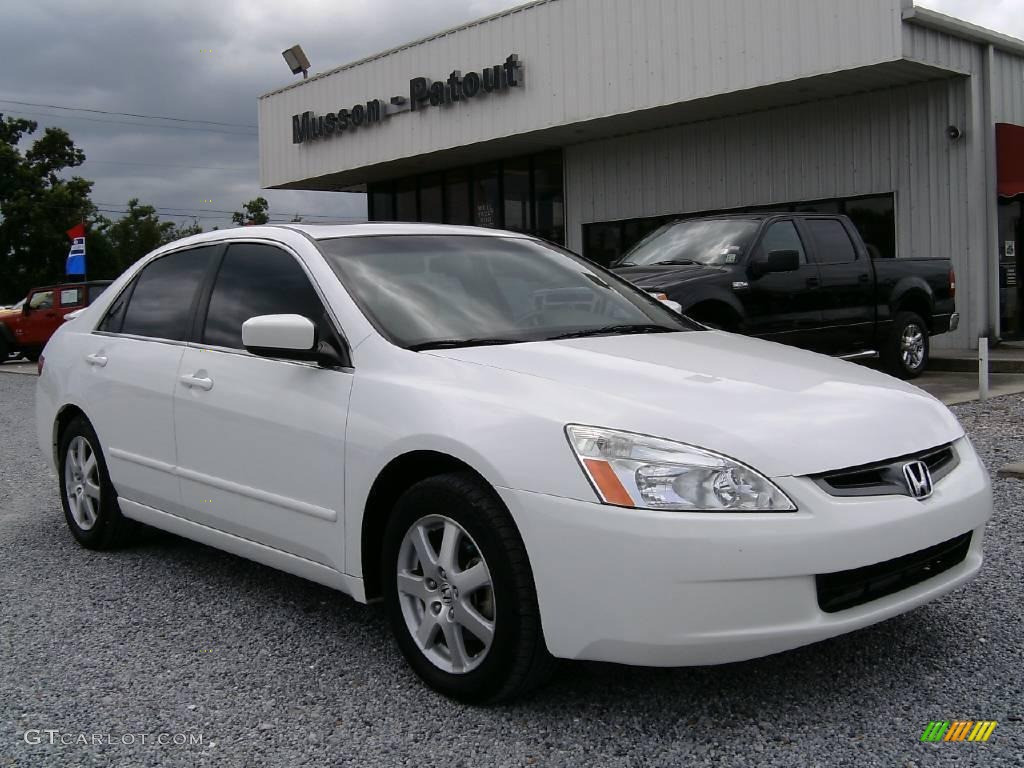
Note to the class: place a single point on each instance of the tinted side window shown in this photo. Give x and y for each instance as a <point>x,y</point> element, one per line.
<point>94,292</point>
<point>160,305</point>
<point>256,279</point>
<point>782,236</point>
<point>831,241</point>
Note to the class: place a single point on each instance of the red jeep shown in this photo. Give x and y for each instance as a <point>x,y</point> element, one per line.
<point>26,332</point>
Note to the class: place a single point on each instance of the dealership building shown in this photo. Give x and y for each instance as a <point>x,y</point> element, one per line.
<point>591,122</point>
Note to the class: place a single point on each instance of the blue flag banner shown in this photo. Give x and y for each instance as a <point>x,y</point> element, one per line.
<point>76,257</point>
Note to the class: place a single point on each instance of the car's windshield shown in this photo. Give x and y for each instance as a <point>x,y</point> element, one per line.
<point>425,291</point>
<point>713,242</point>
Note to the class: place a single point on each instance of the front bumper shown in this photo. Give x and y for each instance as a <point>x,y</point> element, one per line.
<point>945,323</point>
<point>677,589</point>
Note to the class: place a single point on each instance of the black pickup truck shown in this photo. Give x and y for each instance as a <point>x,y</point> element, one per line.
<point>801,279</point>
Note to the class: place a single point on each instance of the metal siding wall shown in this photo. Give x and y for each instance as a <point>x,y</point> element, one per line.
<point>888,141</point>
<point>1008,90</point>
<point>582,59</point>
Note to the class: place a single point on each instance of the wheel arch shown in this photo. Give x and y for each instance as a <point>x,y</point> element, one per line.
<point>917,298</point>
<point>396,477</point>
<point>718,309</point>
<point>64,416</point>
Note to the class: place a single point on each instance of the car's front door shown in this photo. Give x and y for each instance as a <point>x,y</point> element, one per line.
<point>41,320</point>
<point>782,306</point>
<point>260,441</point>
<point>128,369</point>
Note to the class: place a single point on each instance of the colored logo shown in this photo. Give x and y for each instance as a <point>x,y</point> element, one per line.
<point>959,730</point>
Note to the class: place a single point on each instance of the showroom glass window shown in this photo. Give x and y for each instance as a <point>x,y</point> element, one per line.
<point>256,279</point>
<point>159,304</point>
<point>516,193</point>
<point>487,196</point>
<point>432,198</point>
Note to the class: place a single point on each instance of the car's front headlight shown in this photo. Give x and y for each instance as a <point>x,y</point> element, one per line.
<point>631,470</point>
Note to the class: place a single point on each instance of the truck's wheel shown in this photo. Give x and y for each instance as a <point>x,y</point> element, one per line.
<point>459,592</point>
<point>908,347</point>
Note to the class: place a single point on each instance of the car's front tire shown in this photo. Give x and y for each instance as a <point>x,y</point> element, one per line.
<point>459,592</point>
<point>89,500</point>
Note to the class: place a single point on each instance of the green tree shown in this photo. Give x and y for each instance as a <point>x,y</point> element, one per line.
<point>178,231</point>
<point>256,212</point>
<point>129,238</point>
<point>37,205</point>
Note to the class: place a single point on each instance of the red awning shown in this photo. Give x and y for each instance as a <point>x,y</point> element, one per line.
<point>1010,159</point>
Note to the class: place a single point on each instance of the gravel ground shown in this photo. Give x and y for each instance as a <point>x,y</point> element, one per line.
<point>176,638</point>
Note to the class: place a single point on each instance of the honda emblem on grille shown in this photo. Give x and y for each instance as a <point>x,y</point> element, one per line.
<point>919,479</point>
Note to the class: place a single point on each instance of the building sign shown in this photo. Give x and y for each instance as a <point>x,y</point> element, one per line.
<point>423,94</point>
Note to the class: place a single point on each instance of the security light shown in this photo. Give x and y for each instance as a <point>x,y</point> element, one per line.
<point>297,60</point>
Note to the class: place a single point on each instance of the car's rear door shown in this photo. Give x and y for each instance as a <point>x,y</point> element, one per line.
<point>847,285</point>
<point>129,366</point>
<point>261,442</point>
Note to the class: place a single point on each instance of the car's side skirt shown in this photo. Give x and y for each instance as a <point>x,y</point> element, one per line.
<point>275,558</point>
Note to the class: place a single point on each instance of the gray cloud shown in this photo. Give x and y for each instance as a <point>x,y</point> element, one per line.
<point>151,58</point>
<point>198,60</point>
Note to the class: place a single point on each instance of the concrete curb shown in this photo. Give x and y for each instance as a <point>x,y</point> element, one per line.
<point>1015,471</point>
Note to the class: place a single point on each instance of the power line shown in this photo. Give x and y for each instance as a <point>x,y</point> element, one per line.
<point>125,114</point>
<point>173,165</point>
<point>126,122</point>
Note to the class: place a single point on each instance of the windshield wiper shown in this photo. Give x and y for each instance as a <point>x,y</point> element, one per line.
<point>673,262</point>
<point>455,343</point>
<point>613,329</point>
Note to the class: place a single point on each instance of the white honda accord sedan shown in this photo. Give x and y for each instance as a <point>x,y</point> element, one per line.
<point>522,455</point>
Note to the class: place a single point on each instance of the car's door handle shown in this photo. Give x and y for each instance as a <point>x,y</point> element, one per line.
<point>812,282</point>
<point>98,360</point>
<point>197,382</point>
<point>864,278</point>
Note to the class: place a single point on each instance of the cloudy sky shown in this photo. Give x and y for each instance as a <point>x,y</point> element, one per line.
<point>209,61</point>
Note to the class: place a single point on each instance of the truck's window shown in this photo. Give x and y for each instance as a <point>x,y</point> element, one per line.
<point>832,244</point>
<point>70,297</point>
<point>41,300</point>
<point>782,236</point>
<point>253,280</point>
<point>160,305</point>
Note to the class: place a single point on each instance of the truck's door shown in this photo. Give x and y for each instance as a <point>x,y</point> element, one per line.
<point>847,284</point>
<point>783,306</point>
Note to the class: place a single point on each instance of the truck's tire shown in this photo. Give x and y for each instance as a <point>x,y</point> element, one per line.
<point>908,347</point>
<point>89,500</point>
<point>481,581</point>
<point>4,350</point>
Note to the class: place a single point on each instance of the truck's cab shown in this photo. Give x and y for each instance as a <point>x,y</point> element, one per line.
<point>26,332</point>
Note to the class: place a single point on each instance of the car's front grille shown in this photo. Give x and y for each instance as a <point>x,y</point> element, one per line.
<point>886,477</point>
<point>846,589</point>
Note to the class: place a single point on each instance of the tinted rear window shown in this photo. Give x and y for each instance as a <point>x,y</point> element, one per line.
<point>160,305</point>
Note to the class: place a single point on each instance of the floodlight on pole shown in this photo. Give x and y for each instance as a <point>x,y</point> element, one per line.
<point>296,60</point>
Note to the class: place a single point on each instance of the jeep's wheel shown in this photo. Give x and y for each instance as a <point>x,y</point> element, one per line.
<point>459,592</point>
<point>89,500</point>
<point>5,350</point>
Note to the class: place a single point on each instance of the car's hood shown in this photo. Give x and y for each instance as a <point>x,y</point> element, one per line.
<point>780,409</point>
<point>655,276</point>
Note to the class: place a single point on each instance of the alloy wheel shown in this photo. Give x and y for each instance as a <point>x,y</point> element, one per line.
<point>446,594</point>
<point>81,483</point>
<point>912,346</point>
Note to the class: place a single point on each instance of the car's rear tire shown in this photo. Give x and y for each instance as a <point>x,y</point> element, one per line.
<point>5,350</point>
<point>89,500</point>
<point>482,644</point>
<point>32,355</point>
<point>908,347</point>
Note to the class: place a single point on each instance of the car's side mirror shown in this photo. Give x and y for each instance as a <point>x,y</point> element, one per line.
<point>292,337</point>
<point>775,261</point>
